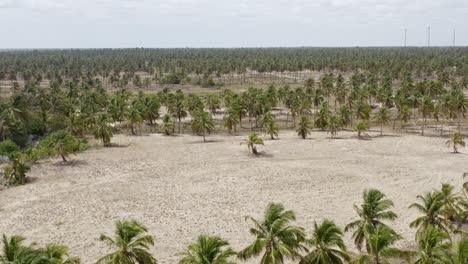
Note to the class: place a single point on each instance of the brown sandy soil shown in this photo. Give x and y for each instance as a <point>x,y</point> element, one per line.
<point>180,187</point>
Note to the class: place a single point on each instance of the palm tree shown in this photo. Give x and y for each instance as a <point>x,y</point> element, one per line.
<point>208,250</point>
<point>15,252</point>
<point>231,119</point>
<point>431,206</point>
<point>58,254</point>
<point>360,127</point>
<point>453,202</point>
<point>380,241</point>
<point>103,130</point>
<point>425,108</point>
<point>271,128</point>
<point>404,113</point>
<point>457,252</point>
<point>303,126</point>
<point>373,211</point>
<point>202,122</point>
<point>274,236</point>
<point>131,243</point>
<point>431,245</point>
<point>344,116</point>
<point>134,118</point>
<point>167,125</point>
<point>327,245</point>
<point>213,103</point>
<point>382,118</point>
<point>253,140</point>
<point>333,125</point>
<point>456,140</point>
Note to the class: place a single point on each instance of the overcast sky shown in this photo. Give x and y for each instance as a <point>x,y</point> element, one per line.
<point>229,23</point>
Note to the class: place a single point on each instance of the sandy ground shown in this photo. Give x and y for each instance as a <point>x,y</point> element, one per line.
<point>180,187</point>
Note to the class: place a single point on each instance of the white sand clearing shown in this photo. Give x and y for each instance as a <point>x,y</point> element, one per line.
<point>180,187</point>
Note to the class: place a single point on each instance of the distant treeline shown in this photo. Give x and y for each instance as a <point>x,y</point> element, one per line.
<point>50,64</point>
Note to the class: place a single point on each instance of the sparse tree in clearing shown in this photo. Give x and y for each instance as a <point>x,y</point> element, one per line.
<point>275,237</point>
<point>333,125</point>
<point>361,126</point>
<point>303,126</point>
<point>373,211</point>
<point>103,130</point>
<point>271,128</point>
<point>327,245</point>
<point>60,143</point>
<point>253,140</point>
<point>15,172</point>
<point>131,244</point>
<point>382,118</point>
<point>202,123</point>
<point>456,140</point>
<point>208,250</point>
<point>167,125</point>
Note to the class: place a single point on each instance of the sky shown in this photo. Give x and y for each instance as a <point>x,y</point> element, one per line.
<point>230,23</point>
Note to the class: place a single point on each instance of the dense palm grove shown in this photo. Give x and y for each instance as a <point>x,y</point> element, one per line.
<point>357,89</point>
<point>175,65</point>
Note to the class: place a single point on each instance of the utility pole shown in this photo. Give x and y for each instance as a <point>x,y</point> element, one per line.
<point>429,36</point>
<point>406,30</point>
<point>453,41</point>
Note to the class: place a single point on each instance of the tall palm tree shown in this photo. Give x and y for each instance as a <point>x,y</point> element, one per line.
<point>167,125</point>
<point>131,244</point>
<point>374,209</point>
<point>58,254</point>
<point>333,125</point>
<point>431,245</point>
<point>327,245</point>
<point>380,247</point>
<point>15,252</point>
<point>274,236</point>
<point>134,118</point>
<point>202,123</point>
<point>456,140</point>
<point>382,118</point>
<point>360,127</point>
<point>252,140</point>
<point>344,116</point>
<point>271,128</point>
<point>425,108</point>
<point>457,252</point>
<point>213,103</point>
<point>208,250</point>
<point>103,130</point>
<point>303,126</point>
<point>431,207</point>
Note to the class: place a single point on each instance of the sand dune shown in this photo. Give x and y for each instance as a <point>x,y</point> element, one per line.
<point>180,187</point>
